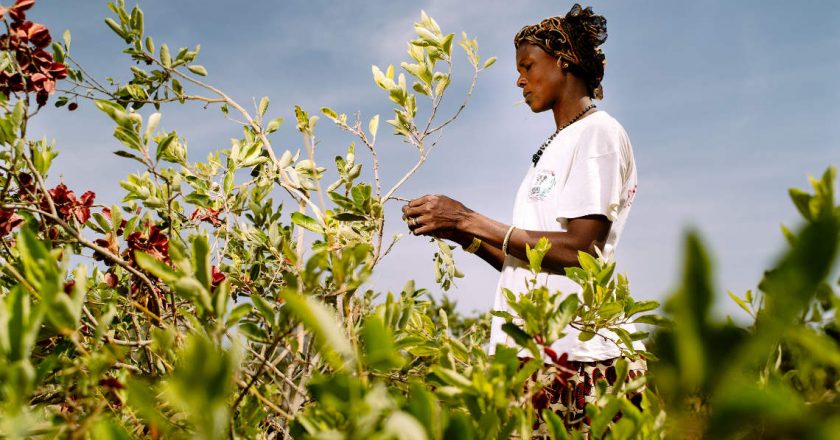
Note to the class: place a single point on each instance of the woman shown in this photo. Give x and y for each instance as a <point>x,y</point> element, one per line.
<point>577,190</point>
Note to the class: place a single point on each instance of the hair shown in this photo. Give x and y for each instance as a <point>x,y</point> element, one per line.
<point>574,39</point>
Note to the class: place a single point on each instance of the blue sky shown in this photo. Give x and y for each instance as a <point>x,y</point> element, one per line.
<point>727,104</point>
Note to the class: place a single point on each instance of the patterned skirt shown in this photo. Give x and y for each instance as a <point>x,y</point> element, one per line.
<point>566,389</point>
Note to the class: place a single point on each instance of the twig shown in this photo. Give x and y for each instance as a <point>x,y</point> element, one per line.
<point>260,368</point>
<point>265,401</point>
<point>277,372</point>
<point>84,242</point>
<point>16,275</point>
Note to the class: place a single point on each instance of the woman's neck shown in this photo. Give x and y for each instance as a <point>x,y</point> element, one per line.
<point>569,109</point>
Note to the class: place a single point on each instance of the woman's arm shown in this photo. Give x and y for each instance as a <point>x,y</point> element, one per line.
<point>487,252</point>
<point>440,215</point>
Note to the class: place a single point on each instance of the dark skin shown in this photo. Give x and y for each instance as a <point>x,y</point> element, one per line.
<point>545,86</point>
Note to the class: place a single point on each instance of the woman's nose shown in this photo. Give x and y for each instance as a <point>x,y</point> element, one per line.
<point>520,82</point>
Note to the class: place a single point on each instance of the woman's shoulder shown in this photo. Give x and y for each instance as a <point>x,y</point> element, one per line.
<point>601,134</point>
<point>603,123</point>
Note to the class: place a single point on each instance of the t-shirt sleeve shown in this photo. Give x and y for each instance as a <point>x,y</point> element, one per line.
<point>594,183</point>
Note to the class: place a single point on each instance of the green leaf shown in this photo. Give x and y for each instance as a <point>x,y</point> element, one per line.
<point>586,335</point>
<point>502,314</point>
<point>107,428</point>
<point>525,372</point>
<point>23,323</point>
<point>459,427</point>
<point>423,405</point>
<point>379,350</point>
<point>127,155</point>
<point>521,337</point>
<point>588,262</point>
<point>193,290</point>
<point>447,44</point>
<point>330,113</point>
<point>624,335</point>
<point>116,28</point>
<point>603,417</point>
<point>610,310</point>
<point>201,260</point>
<point>403,426</point>
<point>253,331</point>
<point>114,111</point>
<point>302,120</point>
<point>164,144</point>
<point>642,306</point>
<point>373,126</point>
<point>39,267</point>
<point>201,386</point>
<point>536,255</point>
<point>197,69</point>
<point>653,320</point>
<point>451,377</point>
<point>238,312</point>
<point>801,200</point>
<point>263,106</point>
<point>740,302</point>
<point>265,309</point>
<point>490,61</point>
<point>690,307</point>
<point>307,222</point>
<point>273,125</point>
<point>334,345</point>
<point>155,267</point>
<point>556,428</point>
<point>621,369</point>
<point>165,58</point>
<point>141,398</point>
<point>349,217</point>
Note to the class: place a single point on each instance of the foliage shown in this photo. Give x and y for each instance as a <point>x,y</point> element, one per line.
<point>779,377</point>
<point>203,309</point>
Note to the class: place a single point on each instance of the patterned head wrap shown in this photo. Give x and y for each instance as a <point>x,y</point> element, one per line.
<point>574,39</point>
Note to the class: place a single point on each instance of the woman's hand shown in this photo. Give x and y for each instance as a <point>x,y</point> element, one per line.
<point>437,216</point>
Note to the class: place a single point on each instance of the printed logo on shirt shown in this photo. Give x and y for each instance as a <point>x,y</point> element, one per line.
<point>544,182</point>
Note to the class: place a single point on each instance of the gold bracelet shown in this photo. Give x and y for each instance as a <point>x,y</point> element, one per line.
<point>507,239</point>
<point>476,243</point>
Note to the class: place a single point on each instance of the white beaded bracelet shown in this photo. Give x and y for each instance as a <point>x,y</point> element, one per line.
<point>507,239</point>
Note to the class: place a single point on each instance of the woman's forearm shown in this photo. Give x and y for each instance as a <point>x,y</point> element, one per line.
<point>564,245</point>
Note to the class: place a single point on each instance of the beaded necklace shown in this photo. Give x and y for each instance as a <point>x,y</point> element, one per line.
<point>536,157</point>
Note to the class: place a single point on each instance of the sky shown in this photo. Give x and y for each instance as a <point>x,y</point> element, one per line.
<point>727,105</point>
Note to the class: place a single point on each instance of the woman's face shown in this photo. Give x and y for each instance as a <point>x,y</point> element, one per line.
<point>540,78</point>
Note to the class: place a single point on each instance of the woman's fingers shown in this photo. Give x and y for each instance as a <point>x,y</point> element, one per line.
<point>429,214</point>
<point>418,201</point>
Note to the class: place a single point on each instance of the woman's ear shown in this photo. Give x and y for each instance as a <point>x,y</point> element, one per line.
<point>562,64</point>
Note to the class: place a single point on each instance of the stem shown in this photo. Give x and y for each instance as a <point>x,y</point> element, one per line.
<point>88,244</point>
<point>404,178</point>
<point>287,184</point>
<point>16,275</point>
<point>259,371</point>
<point>463,105</point>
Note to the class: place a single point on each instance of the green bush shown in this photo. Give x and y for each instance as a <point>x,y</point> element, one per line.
<point>202,309</point>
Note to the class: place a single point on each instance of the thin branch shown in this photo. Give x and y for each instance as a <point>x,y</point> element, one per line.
<point>287,184</point>
<point>88,244</point>
<point>258,373</point>
<point>277,372</point>
<point>463,105</point>
<point>16,275</point>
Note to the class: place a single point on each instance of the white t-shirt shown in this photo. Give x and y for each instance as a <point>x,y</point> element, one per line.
<point>587,169</point>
